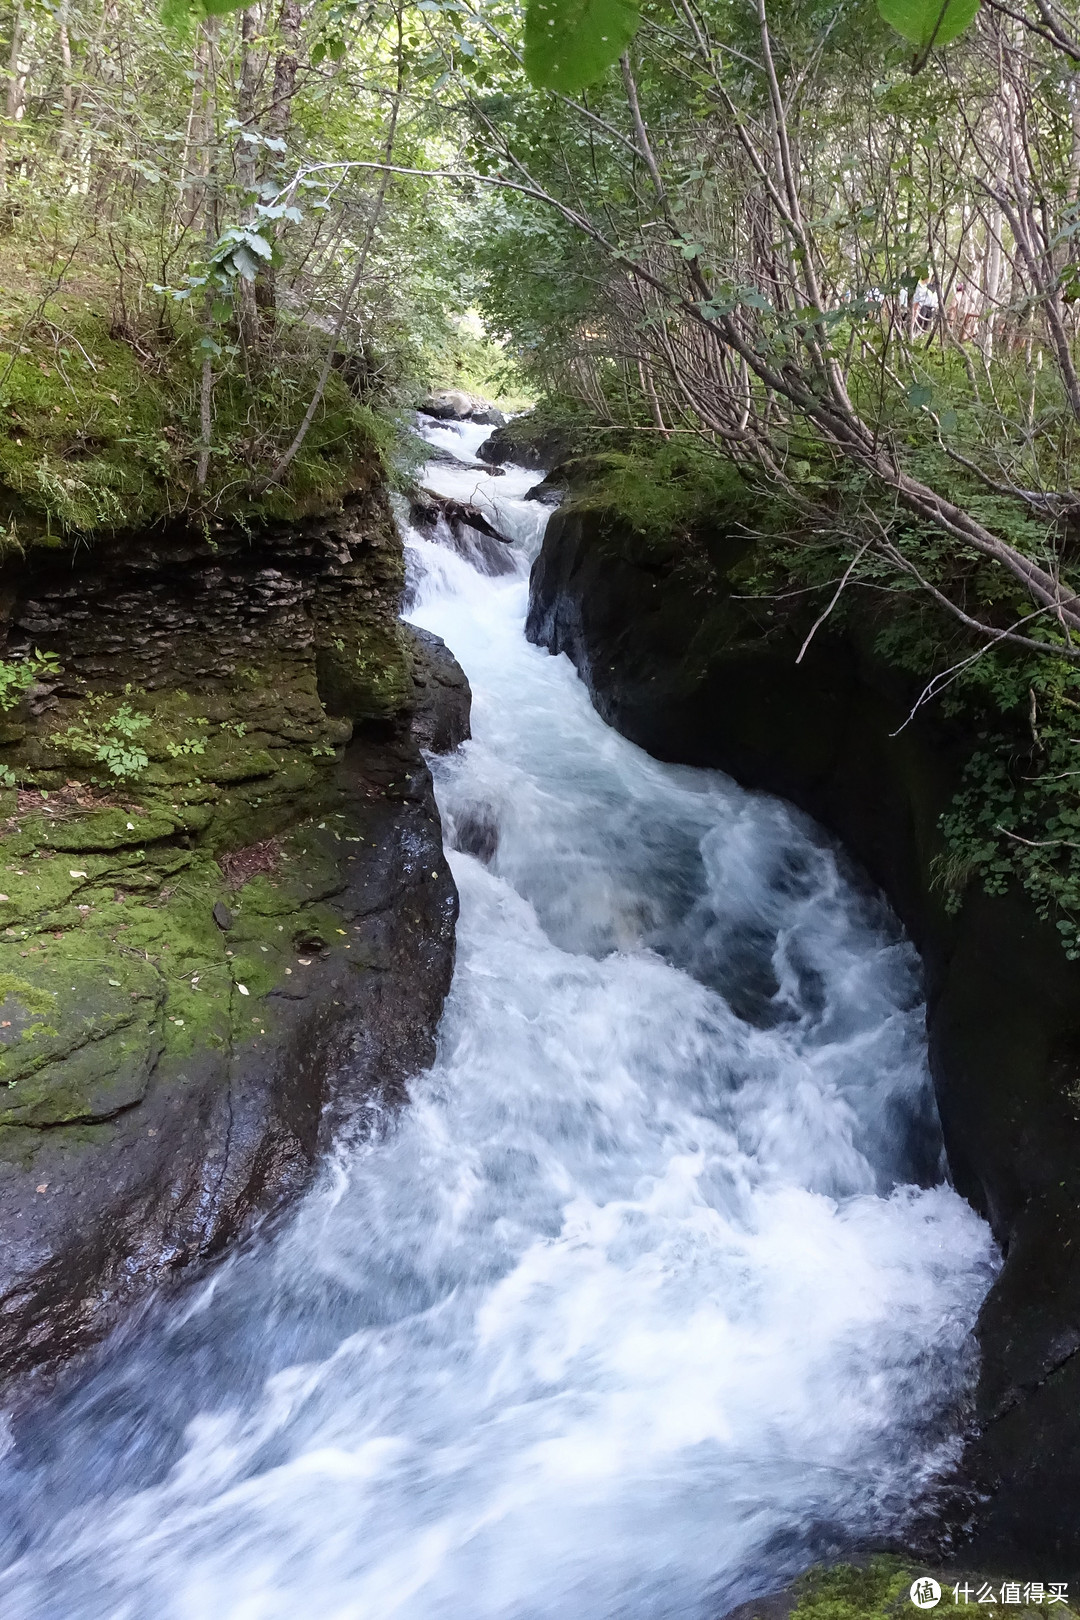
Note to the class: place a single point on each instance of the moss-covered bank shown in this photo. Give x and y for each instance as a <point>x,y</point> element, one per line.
<point>101,430</point>
<point>225,917</point>
<point>880,1589</point>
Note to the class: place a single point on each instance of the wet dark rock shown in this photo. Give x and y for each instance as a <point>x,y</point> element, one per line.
<point>443,698</point>
<point>683,668</point>
<point>526,441</point>
<point>550,491</point>
<point>176,1065</point>
<point>771,1606</point>
<point>476,831</point>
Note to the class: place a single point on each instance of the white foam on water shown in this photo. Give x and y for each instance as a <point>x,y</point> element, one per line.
<point>635,1309</point>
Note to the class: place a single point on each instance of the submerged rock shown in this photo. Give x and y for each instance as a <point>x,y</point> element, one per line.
<point>465,529</point>
<point>476,831</point>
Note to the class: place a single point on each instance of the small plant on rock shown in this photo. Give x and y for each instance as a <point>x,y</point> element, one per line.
<point>113,742</point>
<point>16,679</point>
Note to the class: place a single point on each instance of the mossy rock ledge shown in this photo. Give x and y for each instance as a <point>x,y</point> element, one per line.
<point>681,662</point>
<point>879,1588</point>
<point>226,921</point>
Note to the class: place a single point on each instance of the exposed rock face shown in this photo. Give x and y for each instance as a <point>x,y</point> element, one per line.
<point>443,696</point>
<point>227,923</point>
<point>465,529</point>
<point>526,442</point>
<point>454,405</point>
<point>531,439</point>
<point>678,665</point>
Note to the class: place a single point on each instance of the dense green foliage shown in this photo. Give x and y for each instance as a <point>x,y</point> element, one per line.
<point>760,264</point>
<point>208,294</point>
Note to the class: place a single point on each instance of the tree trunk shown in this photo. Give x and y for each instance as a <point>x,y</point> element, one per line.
<point>13,97</point>
<point>67,138</point>
<point>246,311</point>
<point>278,121</point>
<point>208,200</point>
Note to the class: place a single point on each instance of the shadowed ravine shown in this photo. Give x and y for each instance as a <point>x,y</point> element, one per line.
<point>646,1300</point>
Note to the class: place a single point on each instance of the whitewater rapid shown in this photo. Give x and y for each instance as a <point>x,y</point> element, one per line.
<point>656,1290</point>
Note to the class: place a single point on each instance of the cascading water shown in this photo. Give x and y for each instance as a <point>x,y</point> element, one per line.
<point>645,1301</point>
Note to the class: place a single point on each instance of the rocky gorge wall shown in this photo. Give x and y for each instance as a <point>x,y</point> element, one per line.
<point>226,922</point>
<point>678,663</point>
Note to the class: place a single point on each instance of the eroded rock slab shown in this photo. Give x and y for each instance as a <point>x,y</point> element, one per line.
<point>226,922</point>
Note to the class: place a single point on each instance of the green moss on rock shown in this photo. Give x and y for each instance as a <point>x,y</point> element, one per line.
<point>881,1590</point>
<point>183,755</point>
<point>101,430</point>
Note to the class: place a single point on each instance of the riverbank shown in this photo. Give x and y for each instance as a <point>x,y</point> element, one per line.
<point>226,925</point>
<point>688,669</point>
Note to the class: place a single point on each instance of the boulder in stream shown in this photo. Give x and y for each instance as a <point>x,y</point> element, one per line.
<point>455,405</point>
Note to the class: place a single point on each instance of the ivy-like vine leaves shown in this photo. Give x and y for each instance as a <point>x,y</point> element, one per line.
<point>928,23</point>
<point>572,43</point>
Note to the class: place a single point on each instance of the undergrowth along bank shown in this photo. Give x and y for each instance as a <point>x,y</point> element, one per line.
<point>1013,715</point>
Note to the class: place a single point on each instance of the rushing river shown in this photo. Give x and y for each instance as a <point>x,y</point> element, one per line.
<point>655,1291</point>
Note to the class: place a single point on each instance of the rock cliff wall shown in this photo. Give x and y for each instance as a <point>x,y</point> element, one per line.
<point>683,667</point>
<point>226,922</point>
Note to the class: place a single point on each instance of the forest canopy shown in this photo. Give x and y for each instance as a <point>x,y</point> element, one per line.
<point>825,249</point>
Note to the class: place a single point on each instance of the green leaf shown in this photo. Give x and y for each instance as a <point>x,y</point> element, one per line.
<point>918,395</point>
<point>715,309</point>
<point>176,14</point>
<point>180,14</point>
<point>258,244</point>
<point>244,263</point>
<point>929,23</point>
<point>572,43</point>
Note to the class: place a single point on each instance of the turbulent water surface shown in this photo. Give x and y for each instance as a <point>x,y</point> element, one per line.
<point>653,1294</point>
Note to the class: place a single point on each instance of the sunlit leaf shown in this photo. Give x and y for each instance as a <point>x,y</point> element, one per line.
<point>180,14</point>
<point>572,43</point>
<point>929,23</point>
<point>176,14</point>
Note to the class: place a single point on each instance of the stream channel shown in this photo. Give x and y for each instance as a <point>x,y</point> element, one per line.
<point>655,1293</point>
